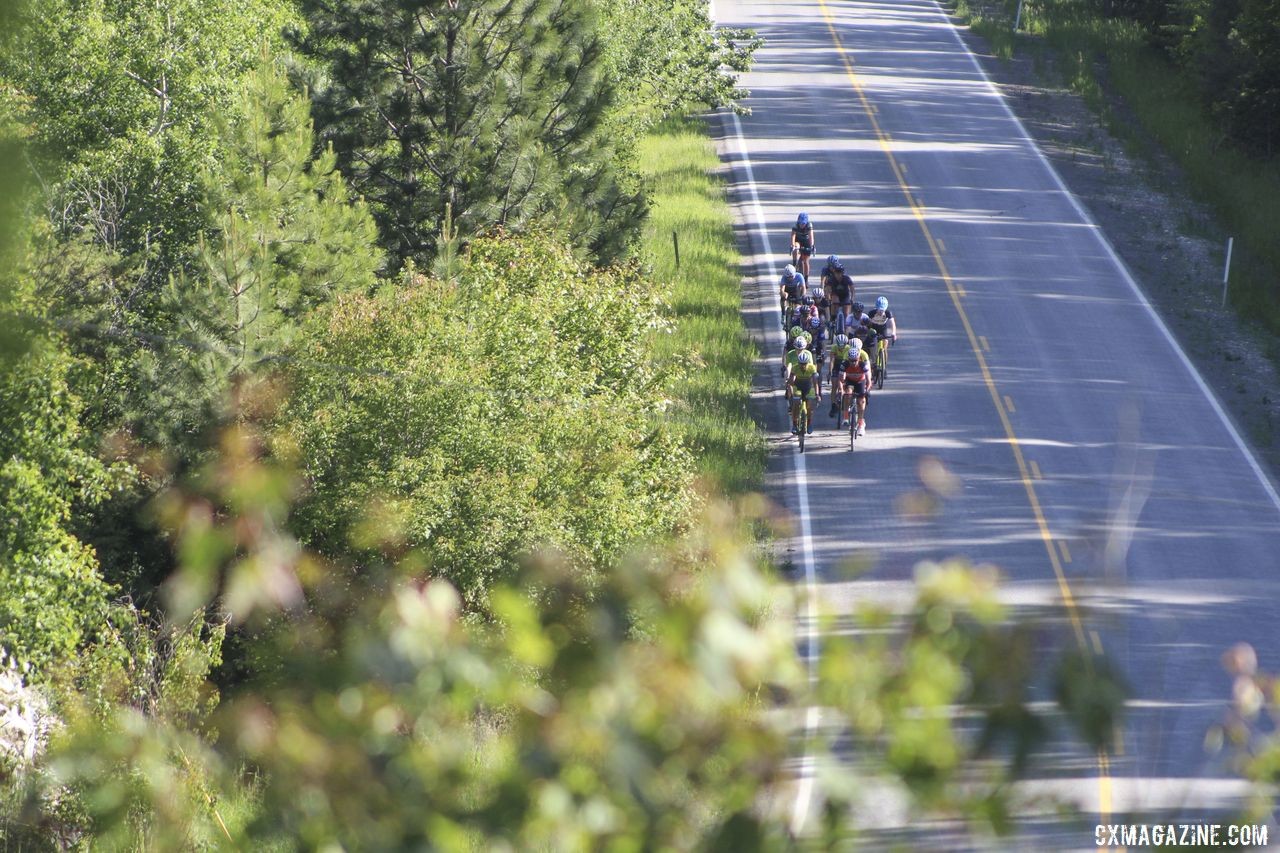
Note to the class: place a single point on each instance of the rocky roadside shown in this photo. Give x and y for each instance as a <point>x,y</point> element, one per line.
<point>1173,246</point>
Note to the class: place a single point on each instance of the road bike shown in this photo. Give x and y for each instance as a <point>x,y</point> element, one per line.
<point>881,365</point>
<point>800,259</point>
<point>801,416</point>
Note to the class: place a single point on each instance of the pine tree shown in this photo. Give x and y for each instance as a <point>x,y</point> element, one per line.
<point>494,108</point>
<point>288,237</point>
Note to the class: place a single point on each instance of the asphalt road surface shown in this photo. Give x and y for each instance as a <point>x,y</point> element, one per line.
<point>1097,470</point>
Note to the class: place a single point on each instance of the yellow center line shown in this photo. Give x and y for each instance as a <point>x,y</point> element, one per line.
<point>1046,535</point>
<point>1035,470</point>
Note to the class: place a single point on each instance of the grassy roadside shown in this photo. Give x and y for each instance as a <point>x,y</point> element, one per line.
<point>1243,192</point>
<point>677,160</point>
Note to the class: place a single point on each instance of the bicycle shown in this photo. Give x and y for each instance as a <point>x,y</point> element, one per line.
<point>882,361</point>
<point>802,417</point>
<point>853,418</point>
<point>800,259</point>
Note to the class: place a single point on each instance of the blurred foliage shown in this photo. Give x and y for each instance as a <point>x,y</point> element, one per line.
<point>652,705</point>
<point>1249,734</point>
<point>516,409</point>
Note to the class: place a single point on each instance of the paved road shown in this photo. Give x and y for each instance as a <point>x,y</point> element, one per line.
<point>1093,463</point>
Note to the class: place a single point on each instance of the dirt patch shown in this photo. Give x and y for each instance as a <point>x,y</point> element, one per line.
<point>1174,246</point>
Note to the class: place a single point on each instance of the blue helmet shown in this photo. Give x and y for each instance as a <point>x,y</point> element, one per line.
<point>882,304</point>
<point>802,220</point>
<point>833,262</point>
<point>815,322</point>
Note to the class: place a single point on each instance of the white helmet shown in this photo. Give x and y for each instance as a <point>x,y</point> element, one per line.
<point>842,340</point>
<point>857,344</point>
<point>801,343</point>
<point>789,269</point>
<point>805,357</point>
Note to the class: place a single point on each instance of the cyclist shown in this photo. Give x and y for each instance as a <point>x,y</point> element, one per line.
<point>797,339</point>
<point>792,290</point>
<point>804,383</point>
<point>795,346</point>
<point>802,243</point>
<point>821,302</point>
<point>881,319</point>
<point>817,339</point>
<point>837,285</point>
<point>853,374</point>
<point>868,335</point>
<point>840,349</point>
<point>848,323</point>
<point>802,313</point>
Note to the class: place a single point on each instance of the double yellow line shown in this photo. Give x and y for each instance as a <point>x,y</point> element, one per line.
<point>954,290</point>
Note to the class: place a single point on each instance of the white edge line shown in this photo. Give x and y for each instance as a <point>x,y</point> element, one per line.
<point>1249,456</point>
<point>804,793</point>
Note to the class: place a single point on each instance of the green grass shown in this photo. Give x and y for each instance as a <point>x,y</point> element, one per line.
<point>996,27</point>
<point>1243,192</point>
<point>713,354</point>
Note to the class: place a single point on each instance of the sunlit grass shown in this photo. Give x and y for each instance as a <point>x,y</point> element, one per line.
<point>713,354</point>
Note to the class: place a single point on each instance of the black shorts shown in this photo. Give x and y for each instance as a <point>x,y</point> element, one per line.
<point>857,389</point>
<point>806,250</point>
<point>845,298</point>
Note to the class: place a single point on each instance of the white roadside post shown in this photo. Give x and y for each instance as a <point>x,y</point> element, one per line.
<point>1226,270</point>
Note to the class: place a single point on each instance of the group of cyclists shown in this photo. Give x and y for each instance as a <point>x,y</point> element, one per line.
<point>826,327</point>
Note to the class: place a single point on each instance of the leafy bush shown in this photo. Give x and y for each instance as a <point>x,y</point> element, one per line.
<point>514,409</point>
<point>648,705</point>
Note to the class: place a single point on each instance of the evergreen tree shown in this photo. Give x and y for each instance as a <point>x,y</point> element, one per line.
<point>288,236</point>
<point>494,108</point>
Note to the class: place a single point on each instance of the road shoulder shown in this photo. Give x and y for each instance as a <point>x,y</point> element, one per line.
<point>1173,246</point>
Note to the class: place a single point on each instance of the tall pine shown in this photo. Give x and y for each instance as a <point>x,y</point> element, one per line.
<point>288,237</point>
<point>491,108</point>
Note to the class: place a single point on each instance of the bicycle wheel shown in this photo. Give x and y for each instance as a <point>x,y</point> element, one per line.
<point>882,366</point>
<point>853,425</point>
<point>803,421</point>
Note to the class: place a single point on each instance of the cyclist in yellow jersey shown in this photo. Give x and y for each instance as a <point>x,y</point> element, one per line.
<point>799,345</point>
<point>839,352</point>
<point>803,381</point>
<point>795,334</point>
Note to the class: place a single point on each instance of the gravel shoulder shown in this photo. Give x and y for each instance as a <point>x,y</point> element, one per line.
<point>1174,246</point>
